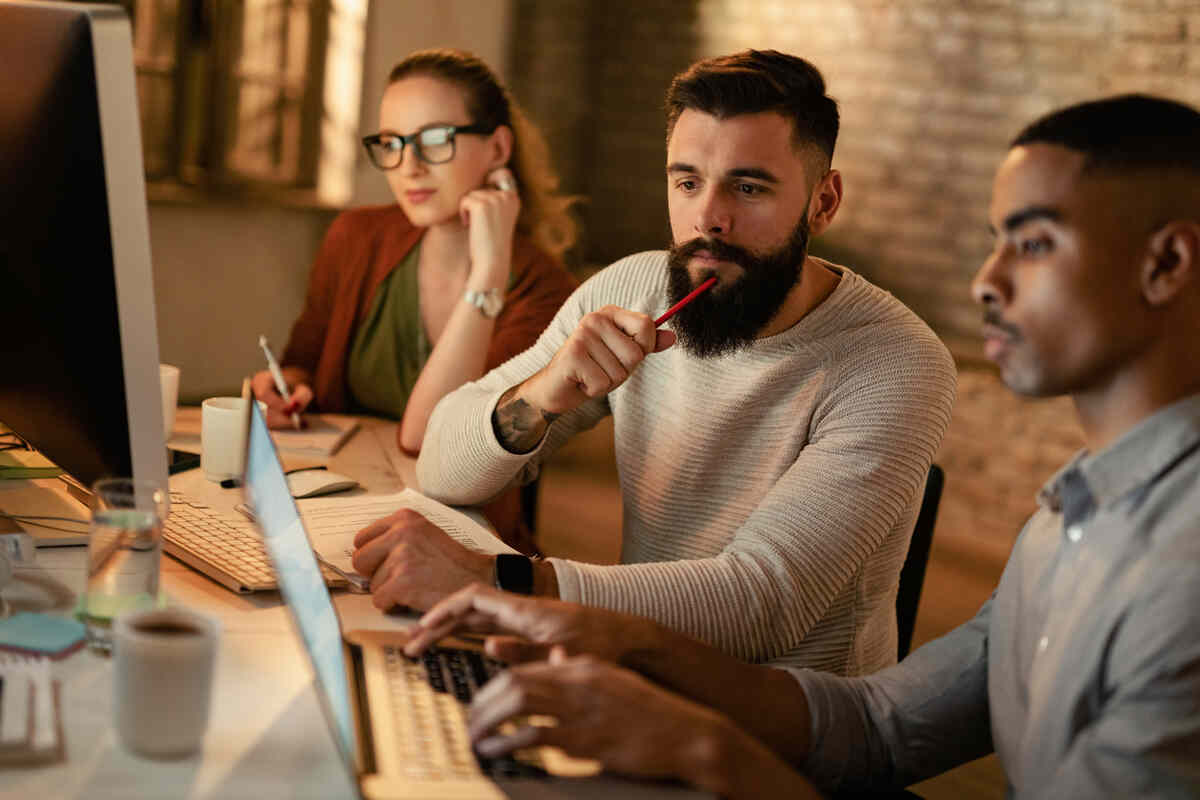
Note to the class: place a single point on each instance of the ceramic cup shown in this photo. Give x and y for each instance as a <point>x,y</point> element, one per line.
<point>223,437</point>
<point>163,663</point>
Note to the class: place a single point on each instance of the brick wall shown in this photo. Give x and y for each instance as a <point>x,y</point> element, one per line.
<point>930,92</point>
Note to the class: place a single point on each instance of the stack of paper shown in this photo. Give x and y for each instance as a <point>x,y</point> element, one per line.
<point>30,727</point>
<point>332,523</point>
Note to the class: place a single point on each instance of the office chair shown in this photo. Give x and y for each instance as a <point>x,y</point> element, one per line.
<point>529,500</point>
<point>912,574</point>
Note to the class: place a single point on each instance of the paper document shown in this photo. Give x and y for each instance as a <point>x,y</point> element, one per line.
<point>332,523</point>
<point>323,436</point>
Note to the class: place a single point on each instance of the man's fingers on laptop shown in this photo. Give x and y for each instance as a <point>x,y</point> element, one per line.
<point>421,637</point>
<point>502,744</point>
<point>461,611</point>
<point>600,711</point>
<point>520,690</point>
<point>515,650</point>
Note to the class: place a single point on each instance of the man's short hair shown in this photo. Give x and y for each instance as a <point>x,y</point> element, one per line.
<point>1125,132</point>
<point>755,81</point>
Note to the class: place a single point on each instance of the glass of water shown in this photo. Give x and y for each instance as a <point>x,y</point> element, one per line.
<point>124,547</point>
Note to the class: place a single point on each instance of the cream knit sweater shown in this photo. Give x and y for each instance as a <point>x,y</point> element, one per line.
<point>769,495</point>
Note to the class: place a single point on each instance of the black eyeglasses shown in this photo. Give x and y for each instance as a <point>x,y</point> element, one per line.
<point>434,145</point>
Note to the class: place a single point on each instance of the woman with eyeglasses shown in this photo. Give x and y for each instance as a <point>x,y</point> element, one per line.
<point>407,302</point>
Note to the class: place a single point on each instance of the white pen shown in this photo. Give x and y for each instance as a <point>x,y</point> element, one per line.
<point>277,374</point>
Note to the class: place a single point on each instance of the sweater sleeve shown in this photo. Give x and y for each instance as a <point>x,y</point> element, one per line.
<point>308,333</point>
<point>461,461</point>
<point>857,479</point>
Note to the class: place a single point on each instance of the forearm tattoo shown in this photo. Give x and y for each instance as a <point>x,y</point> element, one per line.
<point>518,426</point>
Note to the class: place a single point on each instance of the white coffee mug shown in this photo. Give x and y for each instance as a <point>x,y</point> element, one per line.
<point>168,381</point>
<point>223,437</point>
<point>163,663</point>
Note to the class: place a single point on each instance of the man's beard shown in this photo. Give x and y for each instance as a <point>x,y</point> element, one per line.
<point>730,316</point>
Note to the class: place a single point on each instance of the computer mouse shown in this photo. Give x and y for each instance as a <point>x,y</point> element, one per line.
<point>315,482</point>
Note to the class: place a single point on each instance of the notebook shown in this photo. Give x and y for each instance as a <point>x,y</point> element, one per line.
<point>323,435</point>
<point>382,707</point>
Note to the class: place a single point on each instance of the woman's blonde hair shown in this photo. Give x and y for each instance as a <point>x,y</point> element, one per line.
<point>545,215</point>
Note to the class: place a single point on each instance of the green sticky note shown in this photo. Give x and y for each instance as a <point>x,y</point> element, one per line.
<point>22,464</point>
<point>41,634</point>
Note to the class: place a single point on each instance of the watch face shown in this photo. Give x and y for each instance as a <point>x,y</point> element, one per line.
<point>492,302</point>
<point>489,302</point>
<point>514,573</point>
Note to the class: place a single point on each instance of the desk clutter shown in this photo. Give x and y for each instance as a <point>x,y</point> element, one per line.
<point>30,723</point>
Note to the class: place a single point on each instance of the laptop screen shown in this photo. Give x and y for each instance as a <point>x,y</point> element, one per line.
<point>299,577</point>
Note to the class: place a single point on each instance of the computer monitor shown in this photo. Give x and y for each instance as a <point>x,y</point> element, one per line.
<point>78,343</point>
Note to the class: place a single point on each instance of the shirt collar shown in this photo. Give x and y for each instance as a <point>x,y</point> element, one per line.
<point>1136,458</point>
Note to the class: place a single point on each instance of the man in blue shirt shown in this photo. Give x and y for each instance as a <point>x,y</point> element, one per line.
<point>1083,669</point>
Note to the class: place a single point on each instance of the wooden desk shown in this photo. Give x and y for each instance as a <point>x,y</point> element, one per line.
<point>266,735</point>
<point>371,455</point>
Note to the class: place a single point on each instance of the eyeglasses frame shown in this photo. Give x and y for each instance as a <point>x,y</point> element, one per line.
<point>412,138</point>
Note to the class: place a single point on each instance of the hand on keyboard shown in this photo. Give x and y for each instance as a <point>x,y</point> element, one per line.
<point>530,626</point>
<point>590,709</point>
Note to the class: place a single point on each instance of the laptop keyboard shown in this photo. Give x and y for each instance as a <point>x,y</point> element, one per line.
<point>227,549</point>
<point>429,701</point>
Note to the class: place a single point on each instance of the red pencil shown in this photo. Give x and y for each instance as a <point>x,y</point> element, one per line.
<point>692,295</point>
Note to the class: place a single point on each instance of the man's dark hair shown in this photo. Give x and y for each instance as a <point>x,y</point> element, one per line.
<point>1126,132</point>
<point>754,81</point>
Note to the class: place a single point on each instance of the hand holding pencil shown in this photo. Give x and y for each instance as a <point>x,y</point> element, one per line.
<point>600,355</point>
<point>284,406</point>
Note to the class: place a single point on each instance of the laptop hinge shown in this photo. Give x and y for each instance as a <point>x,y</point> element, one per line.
<point>366,754</point>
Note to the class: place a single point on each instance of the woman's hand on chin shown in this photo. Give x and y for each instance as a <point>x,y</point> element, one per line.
<point>490,214</point>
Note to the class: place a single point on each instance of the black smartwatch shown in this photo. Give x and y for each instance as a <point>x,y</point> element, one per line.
<point>514,573</point>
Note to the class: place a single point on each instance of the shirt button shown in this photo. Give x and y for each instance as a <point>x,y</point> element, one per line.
<point>1043,643</point>
<point>1075,533</point>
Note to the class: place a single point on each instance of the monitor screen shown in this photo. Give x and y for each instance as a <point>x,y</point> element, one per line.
<point>79,353</point>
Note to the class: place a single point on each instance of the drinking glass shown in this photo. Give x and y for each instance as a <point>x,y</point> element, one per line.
<point>124,548</point>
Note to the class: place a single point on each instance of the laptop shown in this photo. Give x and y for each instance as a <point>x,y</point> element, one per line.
<point>400,724</point>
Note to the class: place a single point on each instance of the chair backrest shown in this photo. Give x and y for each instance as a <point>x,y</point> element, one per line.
<point>912,574</point>
<point>529,501</point>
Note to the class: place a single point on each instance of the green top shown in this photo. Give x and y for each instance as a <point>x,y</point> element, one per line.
<point>390,348</point>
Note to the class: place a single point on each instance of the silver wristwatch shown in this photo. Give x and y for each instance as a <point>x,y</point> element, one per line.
<point>489,302</point>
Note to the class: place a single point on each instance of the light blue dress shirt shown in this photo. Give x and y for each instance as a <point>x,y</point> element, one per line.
<point>1083,668</point>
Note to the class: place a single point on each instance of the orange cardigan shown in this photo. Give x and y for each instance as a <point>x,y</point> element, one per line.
<point>360,250</point>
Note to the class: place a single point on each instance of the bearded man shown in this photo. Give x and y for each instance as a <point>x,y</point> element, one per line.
<point>772,444</point>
